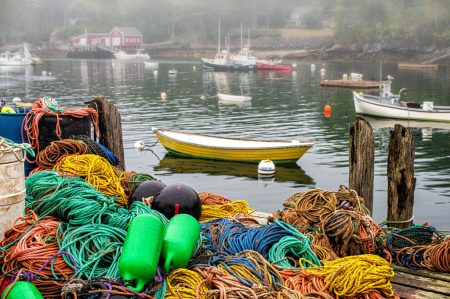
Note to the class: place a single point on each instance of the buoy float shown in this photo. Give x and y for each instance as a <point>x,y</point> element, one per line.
<point>294,65</point>
<point>155,73</point>
<point>22,289</point>
<point>313,66</point>
<point>344,76</point>
<point>266,167</point>
<point>180,238</point>
<point>7,109</point>
<point>139,145</point>
<point>145,190</point>
<point>44,73</point>
<point>327,110</point>
<point>194,67</point>
<point>49,73</point>
<point>178,199</point>
<point>145,234</point>
<point>163,96</point>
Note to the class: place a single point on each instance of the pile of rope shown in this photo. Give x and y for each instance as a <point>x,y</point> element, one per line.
<point>337,223</point>
<point>211,199</point>
<point>96,171</point>
<point>417,247</point>
<point>47,158</point>
<point>95,148</point>
<point>131,179</point>
<point>210,212</point>
<point>7,145</point>
<point>48,106</point>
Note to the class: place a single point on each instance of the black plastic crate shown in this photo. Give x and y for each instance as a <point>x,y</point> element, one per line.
<point>413,105</point>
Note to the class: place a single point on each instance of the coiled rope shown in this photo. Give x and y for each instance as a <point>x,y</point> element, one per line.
<point>96,171</point>
<point>220,211</point>
<point>48,106</point>
<point>183,283</point>
<point>48,157</point>
<point>95,148</point>
<point>211,199</point>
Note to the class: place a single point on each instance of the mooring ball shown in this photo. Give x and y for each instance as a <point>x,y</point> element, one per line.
<point>145,190</point>
<point>178,199</point>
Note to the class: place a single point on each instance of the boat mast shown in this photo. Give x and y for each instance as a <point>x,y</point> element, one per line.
<point>381,78</point>
<point>218,50</point>
<point>248,39</point>
<point>241,35</point>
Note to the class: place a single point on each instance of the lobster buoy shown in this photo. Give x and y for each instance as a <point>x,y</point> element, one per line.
<point>178,199</point>
<point>266,167</point>
<point>145,190</point>
<point>139,145</point>
<point>21,290</point>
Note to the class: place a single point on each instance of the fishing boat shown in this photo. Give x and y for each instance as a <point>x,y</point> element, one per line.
<point>231,149</point>
<point>229,97</point>
<point>151,63</point>
<point>273,65</point>
<point>388,105</point>
<point>138,55</point>
<point>16,59</point>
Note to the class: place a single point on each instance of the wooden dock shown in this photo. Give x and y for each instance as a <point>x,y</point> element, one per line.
<point>408,284</point>
<point>348,83</point>
<point>418,66</point>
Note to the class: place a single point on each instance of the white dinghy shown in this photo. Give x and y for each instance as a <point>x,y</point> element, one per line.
<point>228,97</point>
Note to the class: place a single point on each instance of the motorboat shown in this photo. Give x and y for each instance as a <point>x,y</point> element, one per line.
<point>245,57</point>
<point>231,149</point>
<point>16,59</point>
<point>151,63</point>
<point>229,97</point>
<point>388,105</point>
<point>124,55</point>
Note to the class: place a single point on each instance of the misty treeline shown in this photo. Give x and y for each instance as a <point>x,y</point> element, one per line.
<point>415,21</point>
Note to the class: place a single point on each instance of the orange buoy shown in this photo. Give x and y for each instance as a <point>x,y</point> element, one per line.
<point>327,111</point>
<point>163,96</point>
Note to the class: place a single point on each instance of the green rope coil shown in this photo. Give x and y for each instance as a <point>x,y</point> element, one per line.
<point>138,178</point>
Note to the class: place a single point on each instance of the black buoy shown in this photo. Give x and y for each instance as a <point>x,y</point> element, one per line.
<point>178,199</point>
<point>145,190</point>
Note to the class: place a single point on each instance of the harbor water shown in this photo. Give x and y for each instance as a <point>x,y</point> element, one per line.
<point>284,106</point>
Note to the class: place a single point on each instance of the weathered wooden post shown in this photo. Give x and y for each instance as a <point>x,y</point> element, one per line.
<point>110,127</point>
<point>361,160</point>
<point>401,180</point>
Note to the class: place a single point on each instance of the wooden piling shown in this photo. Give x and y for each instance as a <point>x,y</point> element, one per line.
<point>361,160</point>
<point>401,181</point>
<point>110,127</point>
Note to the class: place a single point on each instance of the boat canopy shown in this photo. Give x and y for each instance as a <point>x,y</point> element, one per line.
<point>246,54</point>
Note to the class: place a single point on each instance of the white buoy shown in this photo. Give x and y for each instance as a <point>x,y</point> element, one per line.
<point>15,100</point>
<point>266,167</point>
<point>313,66</point>
<point>163,96</point>
<point>294,65</point>
<point>49,73</point>
<point>139,145</point>
<point>155,73</point>
<point>194,67</point>
<point>344,76</point>
<point>44,73</point>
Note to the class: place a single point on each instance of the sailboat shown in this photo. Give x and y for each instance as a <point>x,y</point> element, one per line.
<point>221,61</point>
<point>245,56</point>
<point>16,59</point>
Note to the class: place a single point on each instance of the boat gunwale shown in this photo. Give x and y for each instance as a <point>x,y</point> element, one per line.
<point>368,101</point>
<point>302,143</point>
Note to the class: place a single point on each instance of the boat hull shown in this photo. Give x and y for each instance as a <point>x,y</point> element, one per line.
<point>227,67</point>
<point>226,97</point>
<point>385,110</point>
<point>15,63</point>
<point>264,66</point>
<point>288,154</point>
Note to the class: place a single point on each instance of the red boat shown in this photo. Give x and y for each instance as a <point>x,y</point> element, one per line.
<point>273,66</point>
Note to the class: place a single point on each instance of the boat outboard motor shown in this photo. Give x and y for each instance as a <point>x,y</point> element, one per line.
<point>145,190</point>
<point>178,199</point>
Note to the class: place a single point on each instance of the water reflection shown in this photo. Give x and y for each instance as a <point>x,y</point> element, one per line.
<point>176,164</point>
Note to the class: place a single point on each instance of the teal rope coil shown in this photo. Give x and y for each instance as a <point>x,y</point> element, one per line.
<point>299,246</point>
<point>96,249</point>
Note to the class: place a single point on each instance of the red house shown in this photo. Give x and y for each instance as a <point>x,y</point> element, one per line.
<point>126,37</point>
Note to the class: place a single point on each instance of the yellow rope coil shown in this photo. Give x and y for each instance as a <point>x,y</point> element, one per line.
<point>184,282</point>
<point>355,274</point>
<point>220,211</point>
<point>96,171</point>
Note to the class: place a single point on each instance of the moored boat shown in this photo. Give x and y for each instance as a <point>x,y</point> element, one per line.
<point>16,59</point>
<point>388,105</point>
<point>138,55</point>
<point>231,149</point>
<point>229,97</point>
<point>272,65</point>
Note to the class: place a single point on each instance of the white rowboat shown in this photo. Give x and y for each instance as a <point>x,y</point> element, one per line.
<point>227,97</point>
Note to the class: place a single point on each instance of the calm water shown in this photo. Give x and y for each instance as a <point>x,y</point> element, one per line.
<point>284,106</point>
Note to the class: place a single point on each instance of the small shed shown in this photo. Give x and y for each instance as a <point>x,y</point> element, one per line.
<point>89,39</point>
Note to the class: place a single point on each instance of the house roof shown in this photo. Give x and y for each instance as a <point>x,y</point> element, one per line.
<point>128,31</point>
<point>302,10</point>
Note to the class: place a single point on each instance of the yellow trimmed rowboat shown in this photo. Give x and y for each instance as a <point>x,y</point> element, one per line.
<point>231,149</point>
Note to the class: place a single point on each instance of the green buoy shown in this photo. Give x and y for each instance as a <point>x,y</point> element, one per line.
<point>180,238</point>
<point>21,290</point>
<point>141,251</point>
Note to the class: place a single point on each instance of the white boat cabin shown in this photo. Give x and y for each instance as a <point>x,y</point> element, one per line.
<point>246,54</point>
<point>221,58</point>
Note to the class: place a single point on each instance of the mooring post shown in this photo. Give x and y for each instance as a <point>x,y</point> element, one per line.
<point>361,160</point>
<point>401,181</point>
<point>110,127</point>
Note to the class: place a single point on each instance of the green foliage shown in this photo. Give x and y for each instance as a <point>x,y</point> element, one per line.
<point>313,22</point>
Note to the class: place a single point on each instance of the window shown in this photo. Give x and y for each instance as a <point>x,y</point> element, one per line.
<point>126,39</point>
